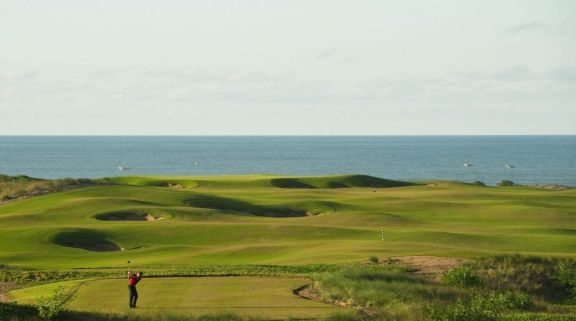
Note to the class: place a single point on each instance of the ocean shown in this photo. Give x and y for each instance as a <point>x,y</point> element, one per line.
<point>535,159</point>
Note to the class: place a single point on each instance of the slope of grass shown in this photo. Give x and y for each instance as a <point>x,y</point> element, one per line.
<point>342,181</point>
<point>250,226</point>
<point>248,220</point>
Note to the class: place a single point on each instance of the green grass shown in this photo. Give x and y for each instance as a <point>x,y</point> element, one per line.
<point>249,220</point>
<point>258,225</point>
<point>266,297</point>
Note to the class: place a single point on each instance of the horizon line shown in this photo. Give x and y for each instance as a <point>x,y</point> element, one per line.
<point>278,135</point>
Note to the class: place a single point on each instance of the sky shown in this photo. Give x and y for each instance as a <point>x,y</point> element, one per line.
<point>291,67</point>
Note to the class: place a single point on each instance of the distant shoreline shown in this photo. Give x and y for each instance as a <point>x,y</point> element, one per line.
<point>292,135</point>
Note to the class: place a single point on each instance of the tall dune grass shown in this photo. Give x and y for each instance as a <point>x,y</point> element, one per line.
<point>13,187</point>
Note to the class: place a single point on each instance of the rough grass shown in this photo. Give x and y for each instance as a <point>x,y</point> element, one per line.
<point>35,277</point>
<point>537,276</point>
<point>12,312</point>
<point>370,291</point>
<point>13,187</point>
<point>387,293</point>
<point>383,292</point>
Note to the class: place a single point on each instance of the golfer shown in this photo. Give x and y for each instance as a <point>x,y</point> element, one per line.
<point>132,281</point>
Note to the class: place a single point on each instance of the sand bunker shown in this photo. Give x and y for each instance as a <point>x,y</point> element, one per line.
<point>136,215</point>
<point>4,298</point>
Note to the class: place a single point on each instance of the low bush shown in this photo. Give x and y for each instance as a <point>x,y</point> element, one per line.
<point>15,312</point>
<point>506,183</point>
<point>532,275</point>
<point>13,187</point>
<point>536,317</point>
<point>566,272</point>
<point>480,307</point>
<point>49,307</point>
<point>463,275</point>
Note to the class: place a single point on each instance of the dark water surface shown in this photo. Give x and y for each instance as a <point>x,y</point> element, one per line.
<point>537,159</point>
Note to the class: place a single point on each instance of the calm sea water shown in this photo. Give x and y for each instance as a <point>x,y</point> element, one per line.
<point>537,159</point>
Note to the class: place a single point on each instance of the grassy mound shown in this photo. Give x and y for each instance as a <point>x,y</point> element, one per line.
<point>85,239</point>
<point>246,220</point>
<point>337,182</point>
<point>254,181</point>
<point>240,206</point>
<point>158,182</point>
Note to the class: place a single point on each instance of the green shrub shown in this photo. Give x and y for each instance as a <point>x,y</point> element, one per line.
<point>463,275</point>
<point>374,259</point>
<point>506,183</point>
<point>15,312</point>
<point>49,307</point>
<point>478,183</point>
<point>345,316</point>
<point>458,312</point>
<point>536,317</point>
<point>532,275</point>
<point>223,316</point>
<point>480,307</point>
<point>566,272</point>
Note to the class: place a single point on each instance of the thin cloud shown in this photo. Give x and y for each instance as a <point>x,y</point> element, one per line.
<point>512,84</point>
<point>328,53</point>
<point>200,75</point>
<point>107,73</point>
<point>541,27</point>
<point>523,73</point>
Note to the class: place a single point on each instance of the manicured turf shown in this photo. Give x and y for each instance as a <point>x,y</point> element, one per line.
<point>262,297</point>
<point>259,219</point>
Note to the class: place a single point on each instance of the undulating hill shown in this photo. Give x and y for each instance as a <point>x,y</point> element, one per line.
<point>267,219</point>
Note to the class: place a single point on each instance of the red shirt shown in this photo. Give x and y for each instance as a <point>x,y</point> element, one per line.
<point>133,280</point>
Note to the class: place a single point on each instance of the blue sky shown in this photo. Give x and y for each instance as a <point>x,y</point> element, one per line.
<point>293,67</point>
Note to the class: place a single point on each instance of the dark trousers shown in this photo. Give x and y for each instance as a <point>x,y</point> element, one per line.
<point>133,296</point>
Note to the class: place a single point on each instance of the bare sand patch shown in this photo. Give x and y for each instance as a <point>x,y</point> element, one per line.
<point>5,298</point>
<point>150,218</point>
<point>428,265</point>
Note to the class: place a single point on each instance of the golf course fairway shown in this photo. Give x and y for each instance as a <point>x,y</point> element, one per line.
<point>182,221</point>
<point>243,244</point>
